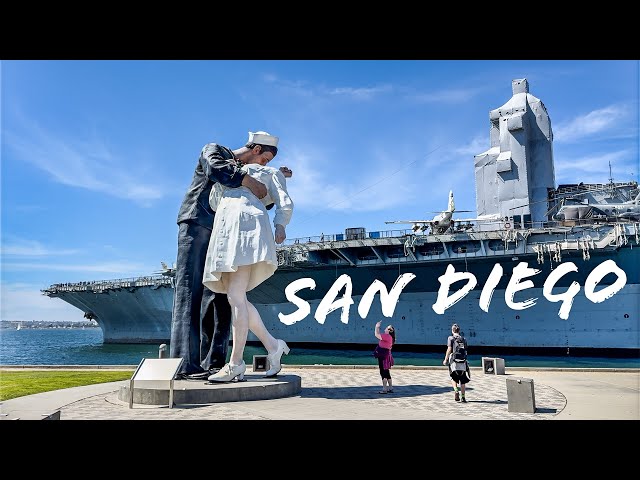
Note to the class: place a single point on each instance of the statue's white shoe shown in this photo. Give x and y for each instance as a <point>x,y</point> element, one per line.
<point>274,359</point>
<point>229,372</point>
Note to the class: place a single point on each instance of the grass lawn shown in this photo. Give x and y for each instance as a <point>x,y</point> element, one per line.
<point>19,383</point>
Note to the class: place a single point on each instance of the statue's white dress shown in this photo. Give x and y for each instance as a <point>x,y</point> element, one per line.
<point>241,233</point>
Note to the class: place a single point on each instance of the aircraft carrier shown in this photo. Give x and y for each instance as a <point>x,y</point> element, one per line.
<point>541,269</point>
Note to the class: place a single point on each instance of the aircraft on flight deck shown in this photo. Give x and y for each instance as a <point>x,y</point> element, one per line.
<point>441,223</point>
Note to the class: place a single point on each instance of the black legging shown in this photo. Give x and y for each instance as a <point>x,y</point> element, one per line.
<point>384,372</point>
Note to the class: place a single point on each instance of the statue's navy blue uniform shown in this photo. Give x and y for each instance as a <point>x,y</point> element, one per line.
<point>201,321</point>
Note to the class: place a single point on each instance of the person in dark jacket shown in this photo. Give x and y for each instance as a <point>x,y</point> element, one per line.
<point>201,319</point>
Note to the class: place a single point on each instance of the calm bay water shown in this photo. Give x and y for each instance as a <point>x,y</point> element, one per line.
<point>75,346</point>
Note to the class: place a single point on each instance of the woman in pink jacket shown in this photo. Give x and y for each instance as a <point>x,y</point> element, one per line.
<point>384,356</point>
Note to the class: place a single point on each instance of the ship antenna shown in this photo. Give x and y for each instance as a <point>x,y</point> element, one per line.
<point>611,184</point>
<point>610,175</point>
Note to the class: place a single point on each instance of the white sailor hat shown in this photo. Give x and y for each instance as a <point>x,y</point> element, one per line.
<point>262,138</point>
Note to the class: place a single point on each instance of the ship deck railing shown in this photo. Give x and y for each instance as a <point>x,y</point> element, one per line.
<point>397,246</point>
<point>506,231</point>
<point>593,187</point>
<point>102,285</point>
<point>481,226</point>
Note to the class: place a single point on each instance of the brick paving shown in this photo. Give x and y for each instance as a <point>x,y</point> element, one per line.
<point>344,393</point>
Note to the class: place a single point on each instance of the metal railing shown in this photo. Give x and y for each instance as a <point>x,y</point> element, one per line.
<point>101,285</point>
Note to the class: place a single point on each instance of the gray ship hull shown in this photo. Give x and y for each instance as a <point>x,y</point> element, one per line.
<point>141,311</point>
<point>137,313</point>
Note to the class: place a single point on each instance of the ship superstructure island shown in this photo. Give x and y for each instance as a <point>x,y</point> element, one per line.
<point>540,268</point>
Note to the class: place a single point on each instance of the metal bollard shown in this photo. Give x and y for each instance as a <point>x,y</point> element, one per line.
<point>520,395</point>
<point>493,366</point>
<point>162,351</point>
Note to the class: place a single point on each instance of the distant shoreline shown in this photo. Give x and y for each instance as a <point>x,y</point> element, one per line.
<point>38,325</point>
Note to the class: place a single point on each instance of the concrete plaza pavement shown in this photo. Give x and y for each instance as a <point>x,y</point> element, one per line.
<point>351,393</point>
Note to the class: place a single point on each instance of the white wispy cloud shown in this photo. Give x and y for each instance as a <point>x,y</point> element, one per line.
<point>316,187</point>
<point>454,95</point>
<point>370,92</point>
<point>24,303</point>
<point>594,168</point>
<point>591,123</point>
<point>88,164</point>
<point>360,93</point>
<point>32,248</point>
<point>305,89</point>
<point>290,87</point>
<point>121,269</point>
<point>477,145</point>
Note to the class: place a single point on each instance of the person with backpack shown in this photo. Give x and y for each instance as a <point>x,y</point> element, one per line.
<point>456,359</point>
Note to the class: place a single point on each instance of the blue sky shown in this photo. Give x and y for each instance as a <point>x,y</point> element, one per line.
<point>96,155</point>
